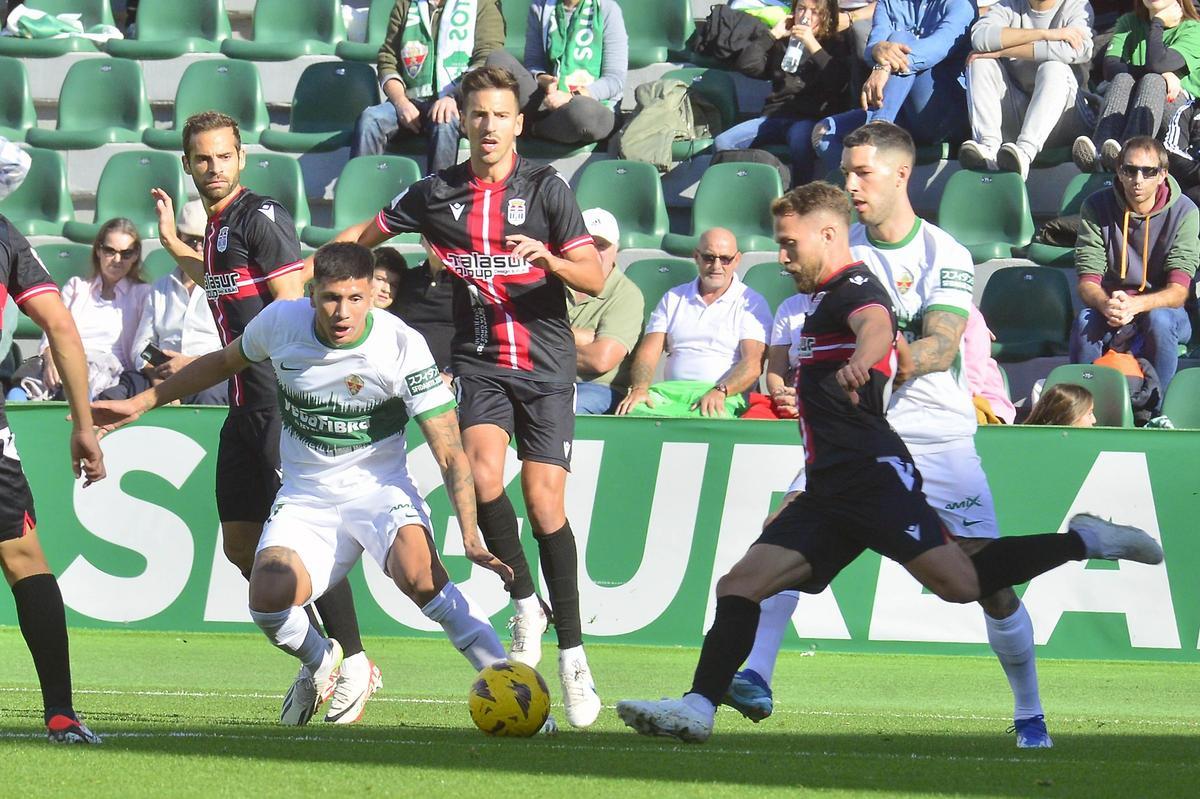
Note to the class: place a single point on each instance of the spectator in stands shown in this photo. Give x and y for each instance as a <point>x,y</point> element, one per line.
<point>783,354</point>
<point>1065,404</point>
<point>425,302</point>
<point>573,78</point>
<point>988,389</point>
<point>420,65</point>
<point>855,16</point>
<point>1029,59</point>
<point>107,307</point>
<point>175,320</point>
<point>818,88</point>
<point>1152,67</point>
<point>917,50</point>
<point>390,267</point>
<point>713,330</point>
<point>606,326</point>
<point>1136,256</point>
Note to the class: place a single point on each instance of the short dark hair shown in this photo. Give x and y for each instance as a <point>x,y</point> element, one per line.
<point>342,260</point>
<point>206,121</point>
<point>391,259</point>
<point>484,78</point>
<point>815,196</point>
<point>882,136</point>
<point>1145,144</point>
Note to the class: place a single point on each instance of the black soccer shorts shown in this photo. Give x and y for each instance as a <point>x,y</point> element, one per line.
<point>17,516</point>
<point>540,415</point>
<point>248,475</point>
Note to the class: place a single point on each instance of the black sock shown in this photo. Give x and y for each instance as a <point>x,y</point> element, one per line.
<point>498,521</point>
<point>43,622</point>
<point>336,607</point>
<point>1012,560</point>
<point>726,646</point>
<point>560,565</point>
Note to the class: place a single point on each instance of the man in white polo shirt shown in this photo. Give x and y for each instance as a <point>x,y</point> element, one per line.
<point>713,330</point>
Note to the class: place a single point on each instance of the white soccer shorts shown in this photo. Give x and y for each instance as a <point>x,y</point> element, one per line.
<point>330,538</point>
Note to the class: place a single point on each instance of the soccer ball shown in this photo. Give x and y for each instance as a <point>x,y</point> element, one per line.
<point>509,699</point>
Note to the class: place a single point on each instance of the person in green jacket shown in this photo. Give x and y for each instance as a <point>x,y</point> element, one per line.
<point>1153,72</point>
<point>428,47</point>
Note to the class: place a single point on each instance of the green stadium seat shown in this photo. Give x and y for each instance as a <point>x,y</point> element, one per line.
<point>377,20</point>
<point>1182,403</point>
<point>1078,190</point>
<point>632,192</point>
<point>988,212</point>
<point>736,196</point>
<point>157,264</point>
<point>287,29</point>
<point>279,177</point>
<point>714,85</point>
<point>1028,309</point>
<point>516,19</point>
<point>41,205</point>
<point>327,102</point>
<point>92,13</point>
<point>1110,391</point>
<point>655,29</point>
<point>103,100</point>
<point>62,261</point>
<point>17,114</point>
<point>227,85</point>
<point>772,281</point>
<point>124,190</point>
<point>656,276</point>
<point>367,184</point>
<point>170,29</point>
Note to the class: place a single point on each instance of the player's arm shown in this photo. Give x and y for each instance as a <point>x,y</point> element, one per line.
<point>938,345</point>
<point>641,372</point>
<point>783,395</point>
<point>47,310</point>
<point>441,433</point>
<point>579,267</point>
<point>289,286</point>
<point>204,372</point>
<point>874,335</point>
<point>184,255</point>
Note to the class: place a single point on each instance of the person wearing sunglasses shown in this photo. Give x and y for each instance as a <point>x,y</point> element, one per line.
<point>1136,256</point>
<point>106,306</point>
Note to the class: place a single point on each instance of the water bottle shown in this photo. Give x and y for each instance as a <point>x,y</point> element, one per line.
<point>793,56</point>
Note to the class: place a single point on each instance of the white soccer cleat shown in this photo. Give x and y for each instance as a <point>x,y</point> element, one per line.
<point>310,690</point>
<point>527,629</point>
<point>357,681</point>
<point>672,718</point>
<point>1108,541</point>
<point>580,699</point>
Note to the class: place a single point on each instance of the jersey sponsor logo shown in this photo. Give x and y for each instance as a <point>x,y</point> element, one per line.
<point>516,212</point>
<point>268,211</point>
<point>457,209</point>
<point>964,504</point>
<point>425,380</point>
<point>220,284</point>
<point>485,267</point>
<point>805,347</point>
<point>354,384</point>
<point>904,281</point>
<point>959,279</point>
<point>223,239</point>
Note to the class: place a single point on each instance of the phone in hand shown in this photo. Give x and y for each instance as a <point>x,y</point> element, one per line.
<point>154,356</point>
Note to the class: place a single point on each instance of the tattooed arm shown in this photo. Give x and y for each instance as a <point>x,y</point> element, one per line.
<point>938,345</point>
<point>441,433</point>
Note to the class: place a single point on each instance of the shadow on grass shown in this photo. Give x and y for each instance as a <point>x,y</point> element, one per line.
<point>1093,764</point>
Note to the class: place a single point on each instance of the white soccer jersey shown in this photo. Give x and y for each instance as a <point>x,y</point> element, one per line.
<point>344,408</point>
<point>927,271</point>
<point>788,324</point>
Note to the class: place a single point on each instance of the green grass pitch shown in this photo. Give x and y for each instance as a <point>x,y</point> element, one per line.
<point>194,715</point>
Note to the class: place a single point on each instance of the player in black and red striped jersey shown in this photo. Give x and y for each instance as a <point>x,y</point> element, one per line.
<point>251,257</point>
<point>863,491</point>
<point>512,234</point>
<point>39,602</point>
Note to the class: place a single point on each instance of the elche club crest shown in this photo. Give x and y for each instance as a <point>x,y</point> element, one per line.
<point>904,281</point>
<point>516,212</point>
<point>413,54</point>
<point>354,384</point>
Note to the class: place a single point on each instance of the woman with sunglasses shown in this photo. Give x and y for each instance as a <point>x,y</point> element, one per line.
<point>1152,67</point>
<point>106,306</point>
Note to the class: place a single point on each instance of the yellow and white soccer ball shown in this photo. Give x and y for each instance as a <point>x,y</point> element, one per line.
<point>509,699</point>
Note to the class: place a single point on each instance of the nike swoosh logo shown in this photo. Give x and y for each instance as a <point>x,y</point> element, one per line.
<point>287,368</point>
<point>969,523</point>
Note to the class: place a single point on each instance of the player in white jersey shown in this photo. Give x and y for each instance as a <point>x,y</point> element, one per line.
<point>350,377</point>
<point>930,278</point>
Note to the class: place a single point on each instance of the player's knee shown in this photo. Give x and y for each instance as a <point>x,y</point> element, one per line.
<point>736,583</point>
<point>273,581</point>
<point>1001,604</point>
<point>959,589</point>
<point>418,585</point>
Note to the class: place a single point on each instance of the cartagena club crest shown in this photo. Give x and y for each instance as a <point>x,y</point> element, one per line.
<point>354,384</point>
<point>516,212</point>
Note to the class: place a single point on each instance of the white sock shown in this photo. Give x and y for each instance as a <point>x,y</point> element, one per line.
<point>466,626</point>
<point>700,704</point>
<point>291,631</point>
<point>529,606</point>
<point>1012,641</point>
<point>774,616</point>
<point>572,654</point>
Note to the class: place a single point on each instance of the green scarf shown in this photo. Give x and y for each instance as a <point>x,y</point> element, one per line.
<point>429,69</point>
<point>573,46</point>
<point>1129,45</point>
